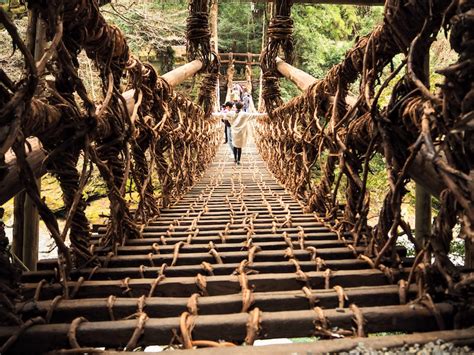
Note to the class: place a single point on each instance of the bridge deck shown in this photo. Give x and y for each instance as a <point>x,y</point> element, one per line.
<point>236,259</point>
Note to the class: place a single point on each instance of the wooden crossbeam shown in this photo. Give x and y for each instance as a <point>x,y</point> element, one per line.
<point>225,61</point>
<point>226,55</point>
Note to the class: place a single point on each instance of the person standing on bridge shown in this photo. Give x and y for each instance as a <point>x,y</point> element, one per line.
<point>240,126</point>
<point>225,109</point>
<point>246,100</point>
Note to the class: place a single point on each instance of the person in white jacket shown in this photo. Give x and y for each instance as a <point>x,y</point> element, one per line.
<point>240,123</point>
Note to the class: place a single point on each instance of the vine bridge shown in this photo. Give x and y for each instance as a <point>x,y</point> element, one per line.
<point>221,254</point>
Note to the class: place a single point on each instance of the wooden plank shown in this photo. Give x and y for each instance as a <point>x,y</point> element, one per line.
<point>181,213</point>
<point>236,231</point>
<point>229,327</point>
<point>95,309</point>
<point>221,204</point>
<point>224,247</point>
<point>227,257</point>
<point>149,238</point>
<point>216,285</point>
<point>119,273</point>
<point>234,228</point>
<point>205,219</point>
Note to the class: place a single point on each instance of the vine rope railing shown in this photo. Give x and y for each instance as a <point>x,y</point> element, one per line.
<point>145,134</point>
<point>421,135</point>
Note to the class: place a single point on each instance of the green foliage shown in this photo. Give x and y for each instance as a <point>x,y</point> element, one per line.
<point>166,5</point>
<point>377,179</point>
<point>323,33</point>
<point>240,27</point>
<point>150,28</point>
<point>288,89</point>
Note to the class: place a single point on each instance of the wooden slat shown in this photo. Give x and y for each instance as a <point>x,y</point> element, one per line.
<point>204,248</point>
<point>227,257</point>
<point>238,225</point>
<point>96,309</point>
<point>149,238</point>
<point>318,231</point>
<point>216,285</point>
<point>232,327</point>
<point>118,273</point>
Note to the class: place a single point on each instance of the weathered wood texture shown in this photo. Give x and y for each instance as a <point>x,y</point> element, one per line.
<point>234,243</point>
<point>95,309</point>
<point>231,327</point>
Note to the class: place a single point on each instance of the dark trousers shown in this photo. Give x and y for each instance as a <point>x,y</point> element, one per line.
<point>237,154</point>
<point>225,131</point>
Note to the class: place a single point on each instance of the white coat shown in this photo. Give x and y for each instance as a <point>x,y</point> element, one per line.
<point>240,125</point>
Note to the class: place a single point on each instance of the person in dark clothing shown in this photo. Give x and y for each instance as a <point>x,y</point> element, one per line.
<point>226,108</point>
<point>246,100</point>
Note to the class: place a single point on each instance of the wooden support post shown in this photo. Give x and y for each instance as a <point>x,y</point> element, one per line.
<point>230,78</point>
<point>31,215</point>
<point>469,254</point>
<point>422,214</point>
<point>215,44</point>
<point>422,196</point>
<point>18,208</point>
<point>268,10</point>
<point>26,230</point>
<point>31,234</point>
